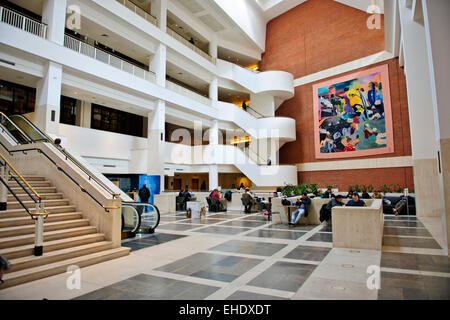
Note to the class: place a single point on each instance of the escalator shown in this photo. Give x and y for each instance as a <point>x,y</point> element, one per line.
<point>137,218</point>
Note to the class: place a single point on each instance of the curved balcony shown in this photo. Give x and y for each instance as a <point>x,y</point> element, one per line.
<point>276,83</point>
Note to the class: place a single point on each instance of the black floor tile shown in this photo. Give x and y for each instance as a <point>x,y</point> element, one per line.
<point>421,262</point>
<point>211,266</point>
<point>297,227</point>
<point>245,224</point>
<point>403,223</point>
<point>249,247</point>
<point>411,242</point>
<point>276,234</point>
<point>285,276</point>
<point>178,226</point>
<point>416,232</point>
<point>147,287</point>
<point>323,237</point>
<point>308,253</point>
<point>222,230</point>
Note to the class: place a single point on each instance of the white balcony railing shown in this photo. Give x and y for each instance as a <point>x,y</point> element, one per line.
<point>188,93</point>
<point>103,56</point>
<point>18,20</point>
<point>139,11</point>
<point>175,35</point>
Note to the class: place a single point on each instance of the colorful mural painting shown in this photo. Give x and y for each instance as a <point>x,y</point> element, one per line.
<point>352,115</point>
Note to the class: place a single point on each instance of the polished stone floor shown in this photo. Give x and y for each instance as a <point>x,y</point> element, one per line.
<point>234,256</point>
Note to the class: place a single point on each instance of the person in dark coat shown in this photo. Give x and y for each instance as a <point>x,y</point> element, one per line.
<point>144,195</point>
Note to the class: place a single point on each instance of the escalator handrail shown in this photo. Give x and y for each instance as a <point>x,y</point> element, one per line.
<point>4,116</point>
<point>70,157</point>
<point>134,204</point>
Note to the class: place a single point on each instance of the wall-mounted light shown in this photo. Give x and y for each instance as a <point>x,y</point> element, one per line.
<point>241,140</point>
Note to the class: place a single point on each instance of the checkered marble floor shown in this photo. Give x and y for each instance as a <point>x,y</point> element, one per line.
<point>236,256</point>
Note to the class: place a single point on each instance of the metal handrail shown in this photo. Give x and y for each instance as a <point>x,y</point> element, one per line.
<point>69,157</point>
<point>188,93</point>
<point>193,47</point>
<point>110,59</point>
<point>147,15</point>
<point>19,20</point>
<point>259,114</point>
<point>24,151</point>
<point>22,178</point>
<point>135,204</point>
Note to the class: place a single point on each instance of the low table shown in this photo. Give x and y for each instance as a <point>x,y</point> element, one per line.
<point>195,207</point>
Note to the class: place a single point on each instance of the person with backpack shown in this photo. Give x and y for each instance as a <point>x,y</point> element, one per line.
<point>144,195</point>
<point>325,211</point>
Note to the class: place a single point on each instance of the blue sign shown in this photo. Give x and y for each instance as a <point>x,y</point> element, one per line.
<point>153,184</point>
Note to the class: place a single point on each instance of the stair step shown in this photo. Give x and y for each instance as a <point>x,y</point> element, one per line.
<point>38,189</point>
<point>26,250</point>
<point>22,230</point>
<point>21,221</point>
<point>27,275</point>
<point>15,213</point>
<point>32,204</point>
<point>57,255</point>
<point>44,183</point>
<point>33,178</point>
<point>22,240</point>
<point>24,197</point>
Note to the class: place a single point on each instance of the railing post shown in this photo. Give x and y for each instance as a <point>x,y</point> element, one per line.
<point>3,190</point>
<point>1,13</point>
<point>23,22</point>
<point>39,231</point>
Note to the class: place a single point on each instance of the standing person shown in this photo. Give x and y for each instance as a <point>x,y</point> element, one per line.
<point>241,187</point>
<point>244,106</point>
<point>144,195</point>
<point>58,144</point>
<point>269,162</point>
<point>302,208</point>
<point>355,201</point>
<point>4,265</point>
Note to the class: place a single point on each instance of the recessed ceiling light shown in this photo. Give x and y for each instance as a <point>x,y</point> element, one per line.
<point>104,35</point>
<point>180,72</point>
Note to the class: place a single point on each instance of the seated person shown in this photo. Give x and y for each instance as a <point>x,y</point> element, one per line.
<point>327,194</point>
<point>400,206</point>
<point>302,208</point>
<point>216,195</point>
<point>365,195</point>
<point>335,202</point>
<point>248,200</point>
<point>355,201</point>
<point>186,195</point>
<point>377,195</point>
<point>181,194</point>
<point>349,194</point>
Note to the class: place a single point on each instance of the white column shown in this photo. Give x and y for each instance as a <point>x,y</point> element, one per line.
<point>85,114</point>
<point>54,15</point>
<point>213,177</point>
<point>158,65</point>
<point>421,119</point>
<point>214,91</point>
<point>437,24</point>
<point>156,141</point>
<point>159,10</point>
<point>48,98</point>
<point>213,46</point>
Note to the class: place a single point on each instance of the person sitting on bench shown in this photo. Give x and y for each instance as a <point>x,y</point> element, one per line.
<point>355,201</point>
<point>302,208</point>
<point>247,200</point>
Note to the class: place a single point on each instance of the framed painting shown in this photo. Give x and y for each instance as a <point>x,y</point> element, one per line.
<point>352,115</point>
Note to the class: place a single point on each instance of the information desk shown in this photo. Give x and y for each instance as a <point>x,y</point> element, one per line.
<point>195,207</point>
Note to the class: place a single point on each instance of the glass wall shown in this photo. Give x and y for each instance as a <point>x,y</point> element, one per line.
<point>68,113</point>
<point>16,99</point>
<point>107,119</point>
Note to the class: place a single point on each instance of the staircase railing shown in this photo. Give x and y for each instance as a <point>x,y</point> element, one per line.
<point>40,136</point>
<point>39,215</point>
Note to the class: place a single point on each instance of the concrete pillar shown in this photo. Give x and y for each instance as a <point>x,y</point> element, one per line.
<point>85,114</point>
<point>421,119</point>
<point>156,141</point>
<point>158,65</point>
<point>54,15</point>
<point>213,177</point>
<point>48,98</point>
<point>213,46</point>
<point>437,24</point>
<point>159,10</point>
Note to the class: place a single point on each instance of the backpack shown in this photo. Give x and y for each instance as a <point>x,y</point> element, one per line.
<point>325,214</point>
<point>285,202</point>
<point>228,195</point>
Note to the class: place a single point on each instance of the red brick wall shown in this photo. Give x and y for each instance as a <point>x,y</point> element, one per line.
<point>306,40</point>
<point>319,34</point>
